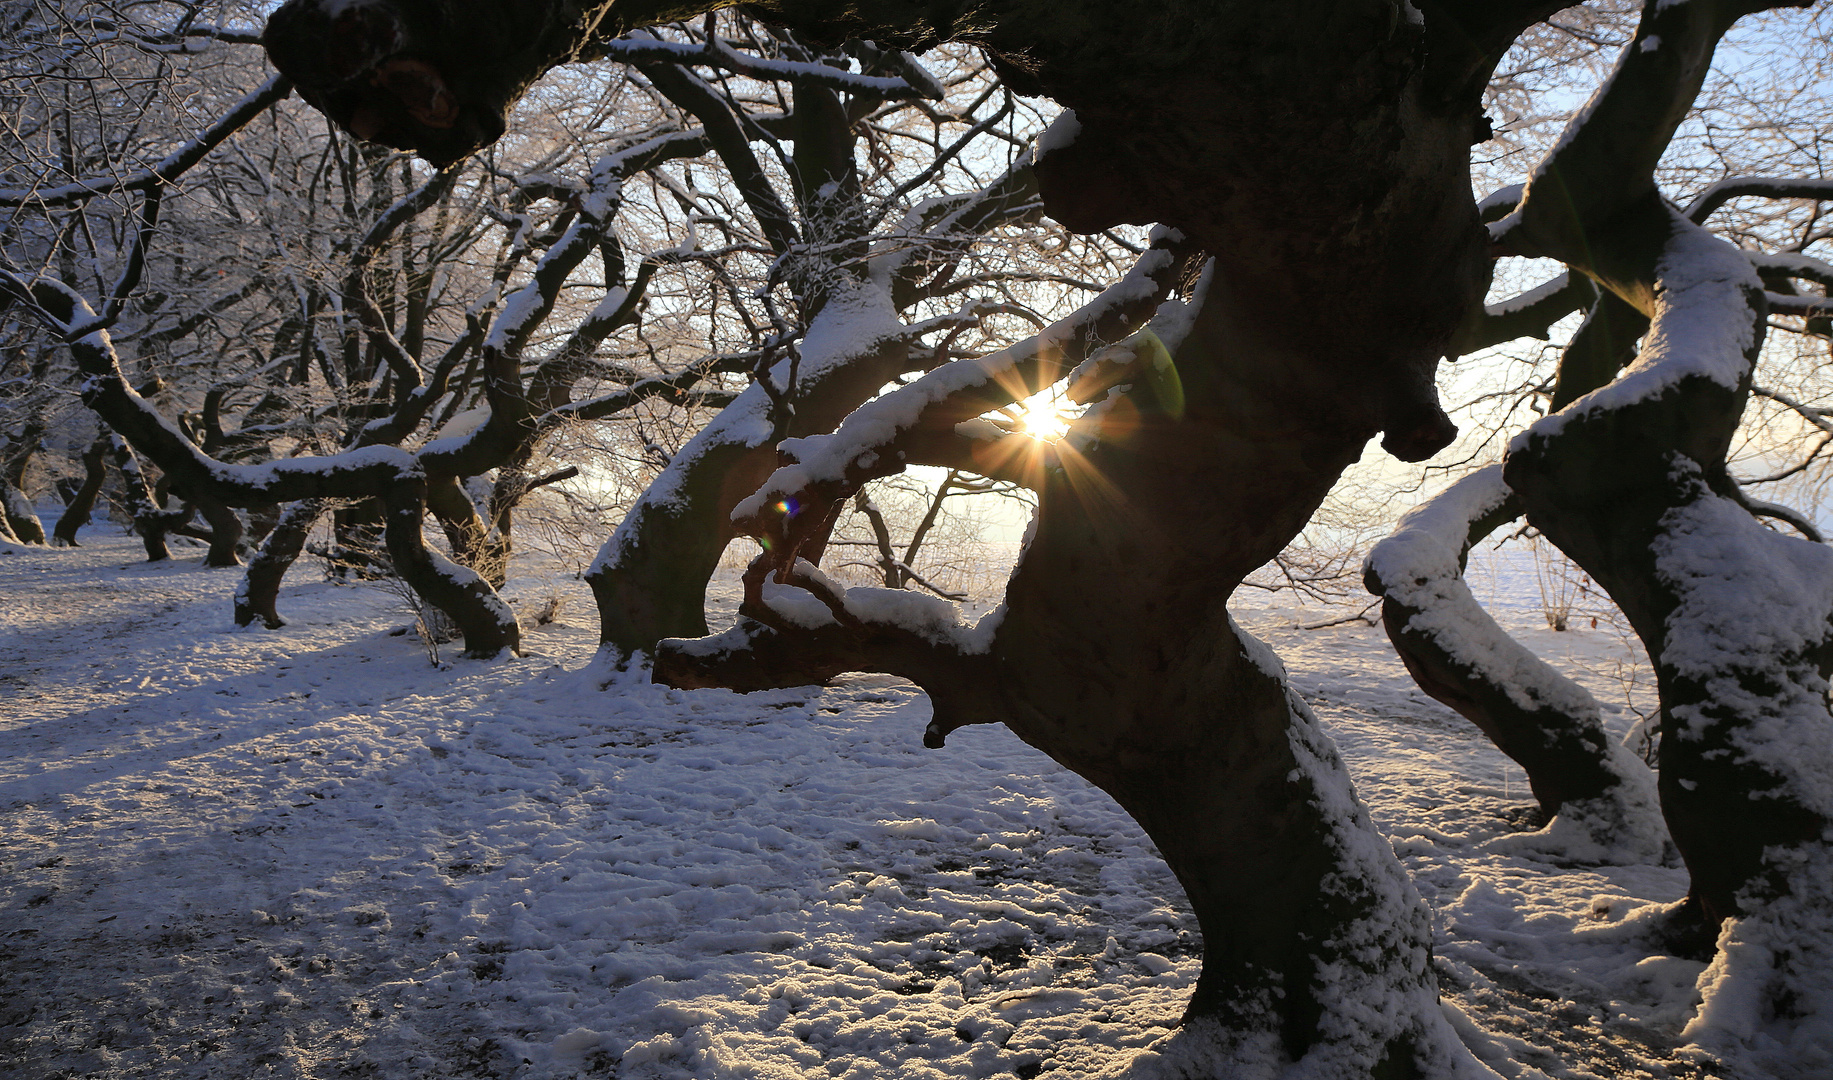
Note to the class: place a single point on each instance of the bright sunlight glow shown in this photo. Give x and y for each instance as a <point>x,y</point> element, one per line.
<point>1043,416</point>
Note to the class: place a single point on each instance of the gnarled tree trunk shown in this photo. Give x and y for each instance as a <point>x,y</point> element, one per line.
<point>21,519</point>
<point>1599,798</point>
<point>256,597</point>
<point>82,503</point>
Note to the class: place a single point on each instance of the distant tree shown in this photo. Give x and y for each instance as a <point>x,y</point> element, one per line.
<point>813,187</point>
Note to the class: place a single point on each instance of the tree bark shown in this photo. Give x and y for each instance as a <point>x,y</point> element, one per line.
<point>650,577</point>
<point>260,588</point>
<point>14,502</point>
<point>1662,529</point>
<point>81,505</point>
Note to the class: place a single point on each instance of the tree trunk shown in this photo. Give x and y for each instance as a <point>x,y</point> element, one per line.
<point>226,532</point>
<point>21,519</point>
<point>82,504</point>
<point>356,536</point>
<point>14,502</point>
<point>1115,654</point>
<point>1122,663</point>
<point>150,522</point>
<point>1599,798</point>
<point>650,577</point>
<point>260,588</point>
<point>487,623</point>
<point>1737,619</point>
<point>1662,531</point>
<point>467,532</point>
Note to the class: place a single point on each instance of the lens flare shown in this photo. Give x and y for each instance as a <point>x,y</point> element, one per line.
<point>1041,418</point>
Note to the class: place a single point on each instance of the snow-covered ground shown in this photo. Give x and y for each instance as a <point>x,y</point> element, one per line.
<point>310,853</point>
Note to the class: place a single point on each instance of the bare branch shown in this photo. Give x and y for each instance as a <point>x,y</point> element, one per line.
<point>919,421</point>
<point>716,53</point>
<point>1709,200</point>
<point>173,166</point>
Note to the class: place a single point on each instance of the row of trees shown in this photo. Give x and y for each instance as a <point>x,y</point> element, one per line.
<point>781,220</point>
<point>693,229</point>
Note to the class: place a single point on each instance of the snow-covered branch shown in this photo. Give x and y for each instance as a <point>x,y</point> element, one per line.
<point>1736,187</point>
<point>1531,314</point>
<point>878,438</point>
<point>1602,797</point>
<point>808,629</point>
<point>1604,162</point>
<point>715,52</point>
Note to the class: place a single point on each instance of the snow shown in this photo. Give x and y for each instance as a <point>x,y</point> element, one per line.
<point>1502,197</point>
<point>1529,298</point>
<point>929,617</point>
<point>1784,950</point>
<point>1060,135</point>
<point>521,311</point>
<point>1420,566</point>
<point>309,853</point>
<point>268,474</point>
<point>1704,326</point>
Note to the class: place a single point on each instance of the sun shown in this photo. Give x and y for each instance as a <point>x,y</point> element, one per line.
<point>1042,417</point>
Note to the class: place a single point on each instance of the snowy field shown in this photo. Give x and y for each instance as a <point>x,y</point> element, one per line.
<point>310,853</point>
